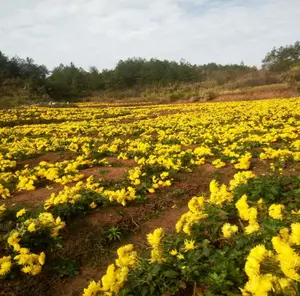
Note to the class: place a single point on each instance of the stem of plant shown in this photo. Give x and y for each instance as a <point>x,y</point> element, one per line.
<point>195,288</point>
<point>242,226</point>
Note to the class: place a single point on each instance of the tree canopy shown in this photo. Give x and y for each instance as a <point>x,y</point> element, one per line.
<point>66,82</point>
<point>282,58</point>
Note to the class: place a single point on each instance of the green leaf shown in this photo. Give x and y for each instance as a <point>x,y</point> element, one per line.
<point>170,273</point>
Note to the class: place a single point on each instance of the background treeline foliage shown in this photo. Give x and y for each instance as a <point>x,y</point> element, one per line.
<point>23,79</point>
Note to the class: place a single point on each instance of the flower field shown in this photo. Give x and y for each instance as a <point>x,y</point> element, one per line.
<point>236,165</point>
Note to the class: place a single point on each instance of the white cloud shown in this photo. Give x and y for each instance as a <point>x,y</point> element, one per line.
<point>100,32</point>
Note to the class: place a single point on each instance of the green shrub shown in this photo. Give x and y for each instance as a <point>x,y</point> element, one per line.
<point>177,95</point>
<point>209,95</point>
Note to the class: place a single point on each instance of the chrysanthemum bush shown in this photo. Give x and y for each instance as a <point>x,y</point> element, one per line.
<point>226,244</point>
<point>32,234</point>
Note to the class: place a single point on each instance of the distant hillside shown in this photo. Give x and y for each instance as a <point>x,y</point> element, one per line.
<point>22,81</point>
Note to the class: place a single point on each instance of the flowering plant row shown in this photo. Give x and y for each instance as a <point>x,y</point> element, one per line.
<point>226,244</point>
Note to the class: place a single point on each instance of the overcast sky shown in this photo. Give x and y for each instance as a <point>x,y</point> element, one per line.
<point>101,32</point>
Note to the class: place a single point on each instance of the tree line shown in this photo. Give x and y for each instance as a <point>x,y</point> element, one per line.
<point>67,82</point>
